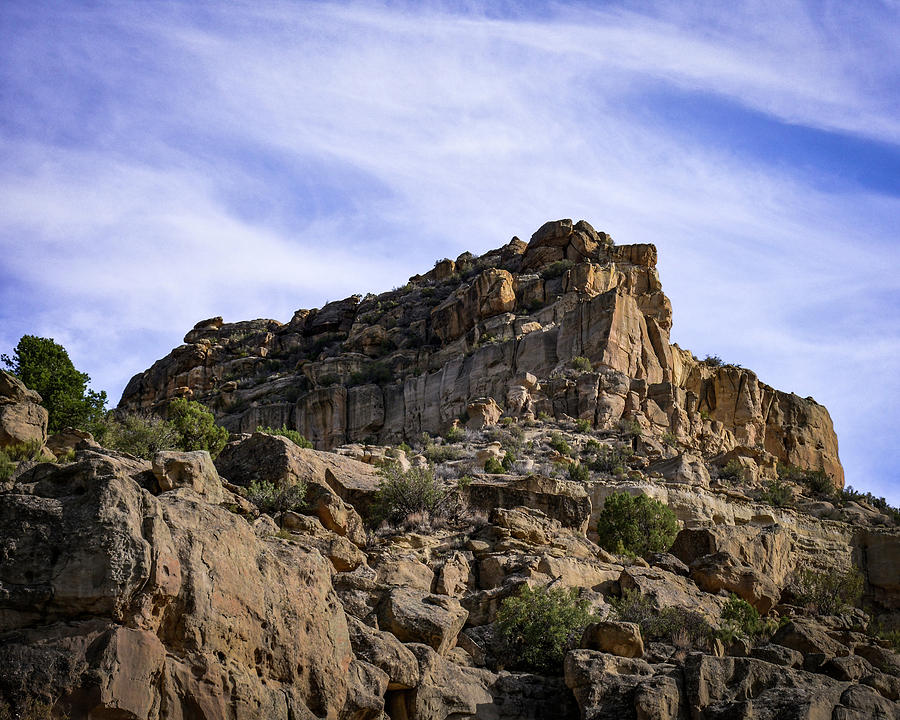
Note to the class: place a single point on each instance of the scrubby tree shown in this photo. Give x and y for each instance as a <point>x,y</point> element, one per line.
<point>196,427</point>
<point>44,365</point>
<point>537,626</point>
<point>637,525</point>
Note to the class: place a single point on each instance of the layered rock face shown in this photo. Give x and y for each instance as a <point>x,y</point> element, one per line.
<point>503,329</point>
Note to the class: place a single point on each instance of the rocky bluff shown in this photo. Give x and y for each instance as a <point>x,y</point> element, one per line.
<point>481,337</point>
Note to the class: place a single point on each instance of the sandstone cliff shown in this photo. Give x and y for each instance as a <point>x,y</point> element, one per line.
<point>506,326</point>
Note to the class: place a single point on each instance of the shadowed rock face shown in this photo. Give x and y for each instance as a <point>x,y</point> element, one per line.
<point>412,360</point>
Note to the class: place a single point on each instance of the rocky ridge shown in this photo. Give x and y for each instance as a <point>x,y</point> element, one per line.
<point>481,337</point>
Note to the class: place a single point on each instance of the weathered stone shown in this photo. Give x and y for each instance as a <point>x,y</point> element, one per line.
<point>808,637</point>
<point>386,652</point>
<point>617,638</point>
<point>22,419</point>
<point>721,571</point>
<point>560,500</point>
<point>194,470</point>
<point>414,616</point>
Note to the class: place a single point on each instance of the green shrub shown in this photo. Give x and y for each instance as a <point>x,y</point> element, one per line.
<point>630,428</point>
<point>611,459</point>
<point>7,466</point>
<point>401,494</point>
<point>558,443</point>
<point>438,454</point>
<point>493,466</point>
<point>196,427</point>
<point>536,627</point>
<point>670,439</point>
<point>30,450</point>
<point>140,434</point>
<point>583,425</point>
<point>636,525</point>
<point>555,269</point>
<point>273,499</point>
<point>581,364</point>
<point>712,361</point>
<point>27,709</point>
<point>675,625</point>
<point>292,435</point>
<point>732,472</point>
<point>741,619</point>
<point>509,459</point>
<point>579,473</point>
<point>44,365</point>
<point>455,434</point>
<point>778,493</point>
<point>816,481</point>
<point>829,592</point>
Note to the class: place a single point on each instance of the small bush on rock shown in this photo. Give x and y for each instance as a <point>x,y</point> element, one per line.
<point>537,626</point>
<point>493,466</point>
<point>558,443</point>
<point>292,435</point>
<point>139,434</point>
<point>402,494</point>
<point>581,364</point>
<point>196,427</point>
<point>273,499</point>
<point>636,525</point>
<point>741,619</point>
<point>681,627</point>
<point>778,493</point>
<point>579,473</point>
<point>732,472</point>
<point>611,459</point>
<point>827,592</point>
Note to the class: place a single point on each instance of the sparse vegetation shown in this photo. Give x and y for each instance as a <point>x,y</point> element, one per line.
<point>493,466</point>
<point>377,373</point>
<point>583,425</point>
<point>636,525</point>
<point>828,592</point>
<point>31,450</point>
<point>403,494</point>
<point>679,626</point>
<point>293,435</point>
<point>537,626</point>
<point>273,499</point>
<point>558,443</point>
<point>670,440</point>
<point>778,493</point>
<point>581,363</point>
<point>579,473</point>
<point>816,481</point>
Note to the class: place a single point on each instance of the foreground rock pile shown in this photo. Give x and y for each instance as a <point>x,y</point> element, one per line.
<point>138,589</point>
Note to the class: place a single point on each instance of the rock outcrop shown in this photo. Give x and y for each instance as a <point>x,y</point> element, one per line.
<point>22,418</point>
<point>479,337</point>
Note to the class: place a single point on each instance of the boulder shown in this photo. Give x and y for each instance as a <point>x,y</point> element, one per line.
<point>414,616</point>
<point>560,500</point>
<point>119,603</point>
<point>809,638</point>
<point>722,571</point>
<point>22,418</point>
<point>193,470</point>
<point>483,412</point>
<point>617,638</point>
<point>386,652</point>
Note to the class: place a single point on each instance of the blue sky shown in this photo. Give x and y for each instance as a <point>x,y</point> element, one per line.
<point>162,162</point>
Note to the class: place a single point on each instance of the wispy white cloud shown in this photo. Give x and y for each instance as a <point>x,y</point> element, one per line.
<point>162,166</point>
